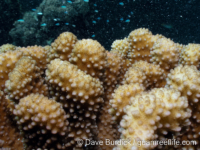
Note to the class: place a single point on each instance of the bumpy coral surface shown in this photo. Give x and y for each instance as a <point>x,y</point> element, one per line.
<point>165,53</point>
<point>90,57</point>
<point>55,96</point>
<point>38,53</point>
<point>190,55</point>
<point>79,86</point>
<point>140,44</point>
<point>122,96</point>
<point>112,73</point>
<point>10,137</point>
<point>40,116</point>
<point>187,80</point>
<point>121,47</point>
<point>152,113</point>
<point>108,128</point>
<point>135,75</point>
<point>25,79</point>
<point>62,46</point>
<point>154,74</point>
<point>7,63</point>
<point>80,95</point>
<point>7,47</point>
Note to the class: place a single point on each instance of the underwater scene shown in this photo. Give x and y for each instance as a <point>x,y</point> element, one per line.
<point>100,75</point>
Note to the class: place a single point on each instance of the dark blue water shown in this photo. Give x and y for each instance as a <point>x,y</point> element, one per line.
<point>103,20</point>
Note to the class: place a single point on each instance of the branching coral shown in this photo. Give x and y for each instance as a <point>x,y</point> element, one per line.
<point>112,73</point>
<point>121,47</point>
<point>24,80</point>
<point>187,80</point>
<point>76,90</point>
<point>80,95</point>
<point>122,96</point>
<point>10,137</point>
<point>7,63</point>
<point>7,47</point>
<point>140,44</point>
<point>135,75</point>
<point>190,55</point>
<point>90,57</point>
<point>154,74</point>
<point>148,114</point>
<point>38,53</point>
<point>165,53</point>
<point>41,119</point>
<point>62,46</point>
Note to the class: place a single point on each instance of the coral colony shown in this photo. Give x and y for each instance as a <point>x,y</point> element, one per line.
<point>145,88</point>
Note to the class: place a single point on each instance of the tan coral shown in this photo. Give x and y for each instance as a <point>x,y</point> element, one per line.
<point>7,47</point>
<point>176,112</point>
<point>126,64</point>
<point>186,79</point>
<point>25,79</point>
<point>121,47</point>
<point>80,94</point>
<point>112,73</point>
<point>108,128</point>
<point>10,137</point>
<point>40,116</point>
<point>190,55</point>
<point>78,85</point>
<point>7,64</point>
<point>149,114</point>
<point>135,75</point>
<point>139,123</point>
<point>154,74</point>
<point>121,98</point>
<point>90,57</point>
<point>140,44</point>
<point>62,46</point>
<point>38,53</point>
<point>165,53</point>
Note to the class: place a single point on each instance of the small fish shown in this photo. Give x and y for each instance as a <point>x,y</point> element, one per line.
<point>94,22</point>
<point>57,24</point>
<point>128,20</point>
<point>63,7</point>
<point>33,9</point>
<point>67,23</point>
<point>86,1</point>
<point>98,18</point>
<point>121,19</point>
<point>55,19</point>
<point>93,35</point>
<point>107,21</point>
<point>66,12</point>
<point>40,13</point>
<point>95,5</point>
<point>96,11</point>
<point>168,26</point>
<point>131,13</point>
<point>20,20</point>
<point>43,25</point>
<point>121,3</point>
<point>73,25</point>
<point>69,2</point>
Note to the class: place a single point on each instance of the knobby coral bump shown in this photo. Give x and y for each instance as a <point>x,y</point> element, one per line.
<point>62,95</point>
